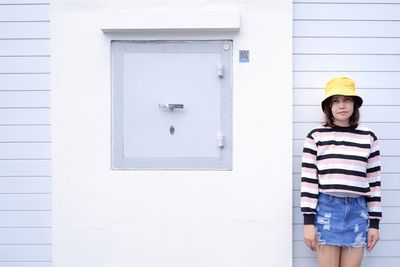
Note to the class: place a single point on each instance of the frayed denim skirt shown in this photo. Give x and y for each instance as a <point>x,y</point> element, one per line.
<point>342,221</point>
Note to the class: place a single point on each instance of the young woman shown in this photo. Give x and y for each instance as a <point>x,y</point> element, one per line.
<point>340,181</point>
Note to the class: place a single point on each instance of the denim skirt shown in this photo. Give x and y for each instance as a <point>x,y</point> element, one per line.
<point>342,221</point>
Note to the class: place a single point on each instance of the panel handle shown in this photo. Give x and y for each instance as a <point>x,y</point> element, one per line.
<point>171,106</point>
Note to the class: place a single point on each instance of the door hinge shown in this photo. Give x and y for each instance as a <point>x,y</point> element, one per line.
<point>220,140</point>
<point>220,71</point>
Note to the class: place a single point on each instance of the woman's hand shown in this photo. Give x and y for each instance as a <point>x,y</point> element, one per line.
<point>373,237</point>
<point>310,236</point>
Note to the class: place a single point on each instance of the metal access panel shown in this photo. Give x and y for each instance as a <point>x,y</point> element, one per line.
<point>172,105</point>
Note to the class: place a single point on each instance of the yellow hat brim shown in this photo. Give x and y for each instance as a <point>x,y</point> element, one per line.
<point>342,91</point>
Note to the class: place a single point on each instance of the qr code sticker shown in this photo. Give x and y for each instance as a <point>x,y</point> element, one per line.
<point>244,56</point>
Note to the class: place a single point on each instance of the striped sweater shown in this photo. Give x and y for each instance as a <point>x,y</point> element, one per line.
<point>342,161</point>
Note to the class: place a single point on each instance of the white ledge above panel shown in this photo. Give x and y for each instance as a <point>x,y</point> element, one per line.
<point>160,20</point>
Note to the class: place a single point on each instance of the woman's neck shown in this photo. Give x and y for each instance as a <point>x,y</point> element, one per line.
<point>341,123</point>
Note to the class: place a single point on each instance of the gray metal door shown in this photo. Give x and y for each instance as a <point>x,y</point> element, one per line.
<point>172,104</point>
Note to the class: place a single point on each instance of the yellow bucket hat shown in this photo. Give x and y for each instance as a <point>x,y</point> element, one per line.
<point>341,86</point>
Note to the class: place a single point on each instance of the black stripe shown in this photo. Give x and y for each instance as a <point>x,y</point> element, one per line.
<point>341,156</point>
<point>309,180</point>
<point>310,151</point>
<point>375,169</point>
<point>344,187</point>
<point>374,184</point>
<point>308,165</point>
<point>373,199</point>
<point>309,135</point>
<point>339,129</point>
<point>310,195</point>
<point>341,171</point>
<point>343,143</point>
<point>373,136</point>
<point>375,214</point>
<point>374,154</point>
<point>307,210</point>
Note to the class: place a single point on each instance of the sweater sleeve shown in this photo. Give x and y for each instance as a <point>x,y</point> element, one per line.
<point>309,180</point>
<point>374,177</point>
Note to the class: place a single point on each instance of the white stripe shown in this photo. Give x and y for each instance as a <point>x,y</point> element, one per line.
<point>337,150</point>
<point>309,175</point>
<point>358,184</point>
<point>322,167</point>
<point>308,160</point>
<point>307,204</point>
<point>374,164</point>
<point>310,146</point>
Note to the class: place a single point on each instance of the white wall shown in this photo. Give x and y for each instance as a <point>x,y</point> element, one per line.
<point>165,218</point>
<point>25,182</point>
<point>359,40</point>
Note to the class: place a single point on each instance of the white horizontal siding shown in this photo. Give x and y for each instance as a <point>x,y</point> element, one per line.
<point>25,64</point>
<point>25,202</point>
<point>34,151</point>
<point>25,219</point>
<point>20,252</point>
<point>372,46</point>
<point>25,168</point>
<point>27,81</point>
<point>376,29</point>
<point>361,2</point>
<point>360,39</point>
<point>25,185</point>
<point>25,12</point>
<point>340,11</point>
<point>24,30</point>
<point>25,161</point>
<point>26,264</point>
<point>25,133</point>
<point>31,99</point>
<point>29,47</point>
<point>25,236</point>
<point>24,2</point>
<point>24,99</point>
<point>24,116</point>
<point>371,80</point>
<point>346,63</point>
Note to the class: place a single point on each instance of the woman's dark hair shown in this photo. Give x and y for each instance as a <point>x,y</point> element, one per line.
<point>329,120</point>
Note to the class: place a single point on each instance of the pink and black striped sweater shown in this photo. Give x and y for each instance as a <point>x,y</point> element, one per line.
<point>341,161</point>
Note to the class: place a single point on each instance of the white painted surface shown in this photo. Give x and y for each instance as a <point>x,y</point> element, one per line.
<point>165,218</point>
<point>191,20</point>
<point>359,40</point>
<point>25,182</point>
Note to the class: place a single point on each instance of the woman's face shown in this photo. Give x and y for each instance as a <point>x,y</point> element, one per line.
<point>342,108</point>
